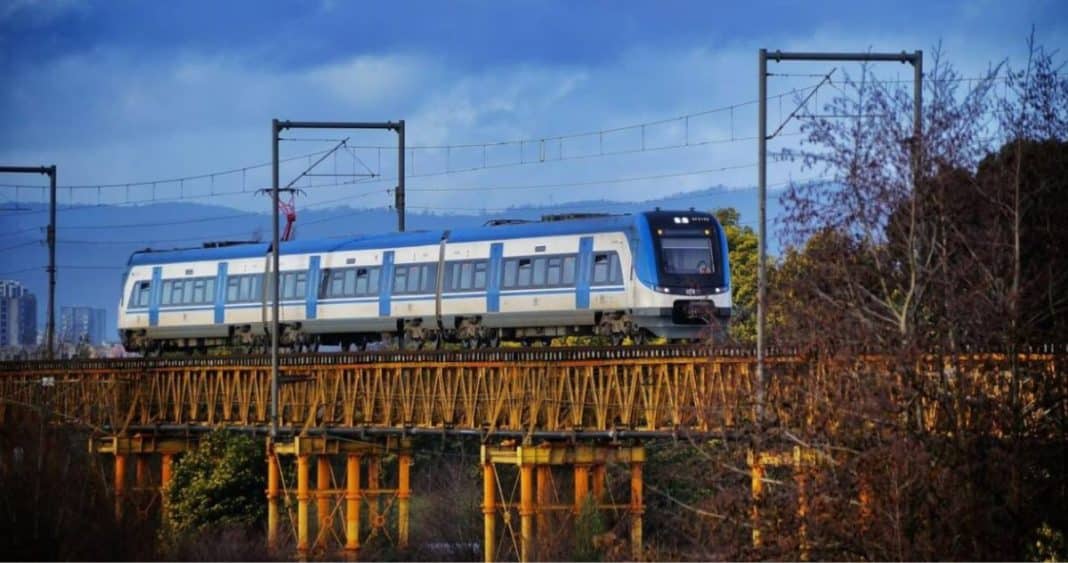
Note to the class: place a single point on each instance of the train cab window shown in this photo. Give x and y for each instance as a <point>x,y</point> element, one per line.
<point>687,255</point>
<point>606,269</point>
<point>141,294</point>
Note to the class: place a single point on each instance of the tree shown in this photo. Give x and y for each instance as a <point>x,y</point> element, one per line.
<point>215,489</point>
<point>743,254</point>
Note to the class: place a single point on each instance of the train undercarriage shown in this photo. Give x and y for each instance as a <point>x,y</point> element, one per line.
<point>614,328</point>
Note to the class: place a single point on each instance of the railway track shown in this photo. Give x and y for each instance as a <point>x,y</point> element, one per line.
<point>495,355</point>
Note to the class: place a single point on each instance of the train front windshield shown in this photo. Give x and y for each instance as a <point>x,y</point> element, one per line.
<point>687,255</point>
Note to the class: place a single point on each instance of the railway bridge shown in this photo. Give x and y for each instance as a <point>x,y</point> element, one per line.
<point>537,411</point>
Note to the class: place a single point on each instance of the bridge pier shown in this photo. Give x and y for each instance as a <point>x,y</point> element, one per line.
<point>535,465</point>
<point>331,496</point>
<point>799,460</point>
<point>141,447</point>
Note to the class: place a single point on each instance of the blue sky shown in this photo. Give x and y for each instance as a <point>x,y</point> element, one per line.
<point>130,91</point>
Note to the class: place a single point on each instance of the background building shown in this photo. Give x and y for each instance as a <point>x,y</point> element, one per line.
<point>18,315</point>
<point>82,324</point>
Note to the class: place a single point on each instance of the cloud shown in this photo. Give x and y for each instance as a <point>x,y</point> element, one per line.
<point>111,114</point>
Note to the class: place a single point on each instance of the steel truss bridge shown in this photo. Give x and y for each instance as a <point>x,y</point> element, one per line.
<point>538,411</point>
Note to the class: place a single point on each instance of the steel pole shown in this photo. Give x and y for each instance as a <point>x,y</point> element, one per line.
<point>762,235</point>
<point>275,129</point>
<point>51,330</point>
<point>917,114</point>
<point>400,176</point>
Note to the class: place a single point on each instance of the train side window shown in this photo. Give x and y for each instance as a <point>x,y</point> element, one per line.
<point>139,297</point>
<point>349,287</point>
<point>467,275</point>
<point>614,269</point>
<point>302,284</point>
<point>525,271</point>
<point>413,279</point>
<point>552,272</point>
<point>452,276</point>
<point>324,283</point>
<point>480,275</point>
<point>177,292</point>
<point>569,270</point>
<point>165,293</point>
<point>361,281</point>
<point>430,278</point>
<point>600,269</point>
<point>209,290</point>
<point>606,269</point>
<point>336,283</point>
<point>197,295</point>
<point>511,268</point>
<point>400,279</point>
<point>372,281</point>
<point>539,272</point>
<point>233,287</point>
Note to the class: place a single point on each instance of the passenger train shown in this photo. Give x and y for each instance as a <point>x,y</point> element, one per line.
<point>662,273</point>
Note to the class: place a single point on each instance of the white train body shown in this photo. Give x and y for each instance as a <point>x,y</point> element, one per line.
<point>648,274</point>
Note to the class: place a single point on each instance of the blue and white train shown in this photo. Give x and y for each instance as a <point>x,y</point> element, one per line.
<point>663,273</point>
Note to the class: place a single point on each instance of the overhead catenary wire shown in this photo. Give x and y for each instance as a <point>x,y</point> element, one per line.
<point>522,141</point>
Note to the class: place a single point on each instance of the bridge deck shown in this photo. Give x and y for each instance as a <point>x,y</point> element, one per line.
<point>552,392</point>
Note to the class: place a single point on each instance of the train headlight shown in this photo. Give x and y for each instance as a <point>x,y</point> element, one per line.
<point>662,289</point>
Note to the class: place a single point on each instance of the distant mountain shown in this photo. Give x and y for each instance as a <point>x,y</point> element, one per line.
<point>94,242</point>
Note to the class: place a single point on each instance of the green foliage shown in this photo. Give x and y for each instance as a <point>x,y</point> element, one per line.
<point>588,526</point>
<point>744,253</point>
<point>219,485</point>
<point>1047,545</point>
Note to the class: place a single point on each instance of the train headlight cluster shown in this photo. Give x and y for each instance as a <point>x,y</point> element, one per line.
<point>682,220</point>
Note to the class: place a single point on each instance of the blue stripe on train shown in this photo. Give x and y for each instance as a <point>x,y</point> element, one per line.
<point>385,284</point>
<point>220,293</point>
<point>154,296</point>
<point>493,292</point>
<point>312,288</point>
<point>582,289</point>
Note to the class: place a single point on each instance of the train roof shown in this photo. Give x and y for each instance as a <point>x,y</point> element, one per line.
<point>553,227</point>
